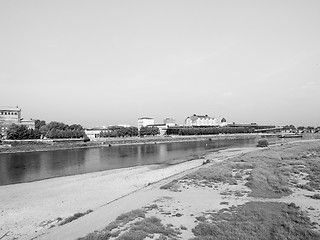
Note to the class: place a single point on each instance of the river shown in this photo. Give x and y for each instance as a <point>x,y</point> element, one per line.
<point>33,166</point>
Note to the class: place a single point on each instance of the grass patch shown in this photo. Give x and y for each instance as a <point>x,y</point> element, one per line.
<point>263,143</point>
<point>313,169</point>
<point>217,173</point>
<point>314,196</point>
<point>257,220</point>
<point>173,185</point>
<point>130,216</point>
<point>74,217</point>
<point>134,226</point>
<point>153,225</point>
<point>306,187</point>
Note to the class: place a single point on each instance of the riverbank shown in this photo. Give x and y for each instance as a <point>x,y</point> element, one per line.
<point>13,146</point>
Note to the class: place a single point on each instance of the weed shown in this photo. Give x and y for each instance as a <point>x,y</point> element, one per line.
<point>134,230</point>
<point>257,220</point>
<point>74,217</point>
<point>133,235</point>
<point>315,196</point>
<point>306,187</point>
<point>152,206</point>
<point>263,143</point>
<point>152,225</point>
<point>183,227</point>
<point>201,218</point>
<point>171,186</point>
<point>127,217</point>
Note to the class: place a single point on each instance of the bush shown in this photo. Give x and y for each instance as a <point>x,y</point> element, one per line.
<point>263,143</point>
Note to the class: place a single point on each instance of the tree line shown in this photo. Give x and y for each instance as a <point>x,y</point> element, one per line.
<point>208,130</point>
<point>118,131</point>
<point>301,128</point>
<point>42,130</point>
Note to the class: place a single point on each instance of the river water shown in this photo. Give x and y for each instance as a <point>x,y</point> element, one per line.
<point>33,166</point>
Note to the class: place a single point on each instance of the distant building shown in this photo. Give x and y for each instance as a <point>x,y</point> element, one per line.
<point>169,122</point>
<point>200,120</point>
<point>145,121</point>
<point>29,123</point>
<point>124,125</point>
<point>12,115</point>
<point>94,133</point>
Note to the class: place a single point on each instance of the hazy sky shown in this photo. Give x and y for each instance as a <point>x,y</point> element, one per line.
<point>109,62</point>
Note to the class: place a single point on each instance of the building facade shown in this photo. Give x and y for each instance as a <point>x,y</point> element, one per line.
<point>145,121</point>
<point>9,116</point>
<point>94,133</point>
<point>200,120</point>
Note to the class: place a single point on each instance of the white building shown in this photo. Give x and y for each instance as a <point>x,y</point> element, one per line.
<point>145,121</point>
<point>94,133</point>
<point>200,120</point>
<point>169,122</point>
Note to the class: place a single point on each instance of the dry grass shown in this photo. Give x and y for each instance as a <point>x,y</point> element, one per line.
<point>257,220</point>
<point>74,217</point>
<point>267,179</point>
<point>134,226</point>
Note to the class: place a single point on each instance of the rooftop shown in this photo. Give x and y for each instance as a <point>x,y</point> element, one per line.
<point>10,109</point>
<point>145,118</point>
<point>195,117</point>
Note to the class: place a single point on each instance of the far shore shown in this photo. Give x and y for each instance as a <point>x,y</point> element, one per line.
<point>18,146</point>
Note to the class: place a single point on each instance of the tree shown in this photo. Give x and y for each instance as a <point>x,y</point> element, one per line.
<point>62,130</point>
<point>20,132</point>
<point>39,123</point>
<point>149,131</point>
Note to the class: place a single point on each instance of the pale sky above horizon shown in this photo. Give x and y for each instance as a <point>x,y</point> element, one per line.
<point>110,62</point>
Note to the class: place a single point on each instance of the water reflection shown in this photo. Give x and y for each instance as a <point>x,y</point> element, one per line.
<point>25,167</point>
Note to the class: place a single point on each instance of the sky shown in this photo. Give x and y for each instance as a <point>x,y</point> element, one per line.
<point>100,63</point>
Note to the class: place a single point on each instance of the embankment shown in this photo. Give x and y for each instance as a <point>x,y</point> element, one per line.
<point>12,146</point>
